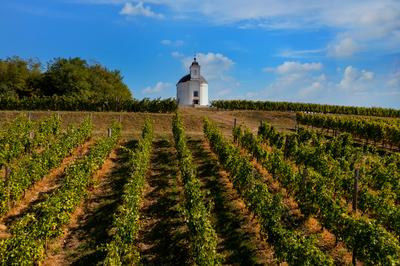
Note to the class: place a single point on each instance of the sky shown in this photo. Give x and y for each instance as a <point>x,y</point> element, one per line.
<point>332,52</point>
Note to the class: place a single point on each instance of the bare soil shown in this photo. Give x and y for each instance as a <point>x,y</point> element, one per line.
<point>87,232</point>
<point>162,238</point>
<point>193,118</point>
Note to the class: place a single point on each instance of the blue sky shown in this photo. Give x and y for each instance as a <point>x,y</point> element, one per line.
<point>335,52</point>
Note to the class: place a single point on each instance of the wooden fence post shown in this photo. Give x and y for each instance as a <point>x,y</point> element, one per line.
<point>7,182</point>
<point>355,191</point>
<point>355,197</point>
<point>304,178</point>
<point>234,123</point>
<point>109,132</point>
<point>287,141</point>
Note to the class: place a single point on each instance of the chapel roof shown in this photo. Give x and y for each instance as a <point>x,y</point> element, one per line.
<point>187,78</point>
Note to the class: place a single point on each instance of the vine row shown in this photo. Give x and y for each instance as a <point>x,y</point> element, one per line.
<point>29,169</point>
<point>203,238</point>
<point>30,234</point>
<point>375,130</point>
<point>289,245</point>
<point>336,160</point>
<point>22,136</point>
<point>121,249</point>
<point>304,107</point>
<point>369,240</point>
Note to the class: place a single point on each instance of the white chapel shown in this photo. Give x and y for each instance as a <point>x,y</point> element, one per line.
<point>192,89</point>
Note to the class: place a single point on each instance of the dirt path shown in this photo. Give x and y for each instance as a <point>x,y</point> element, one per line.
<point>240,239</point>
<point>161,239</point>
<point>41,188</point>
<point>88,228</point>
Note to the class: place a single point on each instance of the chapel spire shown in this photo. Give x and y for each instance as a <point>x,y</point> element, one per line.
<point>195,69</point>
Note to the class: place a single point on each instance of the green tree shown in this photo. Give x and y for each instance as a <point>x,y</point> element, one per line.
<point>66,77</point>
<point>19,77</point>
<point>107,83</point>
<point>71,77</point>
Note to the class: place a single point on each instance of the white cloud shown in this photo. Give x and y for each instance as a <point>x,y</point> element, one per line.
<point>176,43</point>
<point>355,80</point>
<point>166,42</point>
<point>224,92</point>
<point>159,87</point>
<point>367,75</point>
<point>139,10</point>
<point>295,80</point>
<point>374,24</point>
<point>300,53</point>
<point>214,66</point>
<point>394,80</point>
<point>176,54</point>
<point>343,48</point>
<point>314,87</point>
<point>292,67</point>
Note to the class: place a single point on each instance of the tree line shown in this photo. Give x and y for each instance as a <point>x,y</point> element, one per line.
<point>69,84</point>
<point>62,77</point>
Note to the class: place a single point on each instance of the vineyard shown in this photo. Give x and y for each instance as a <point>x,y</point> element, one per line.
<point>201,187</point>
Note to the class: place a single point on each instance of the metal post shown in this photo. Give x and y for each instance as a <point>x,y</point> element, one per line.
<point>109,132</point>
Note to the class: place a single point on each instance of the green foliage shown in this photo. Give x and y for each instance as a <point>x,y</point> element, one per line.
<point>304,107</point>
<point>121,249</point>
<point>32,167</point>
<point>70,85</point>
<point>15,139</point>
<point>19,77</point>
<point>335,160</point>
<point>315,194</point>
<point>203,239</point>
<point>31,233</point>
<point>69,77</point>
<point>385,131</point>
<point>289,245</point>
<point>74,76</point>
<point>97,104</point>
